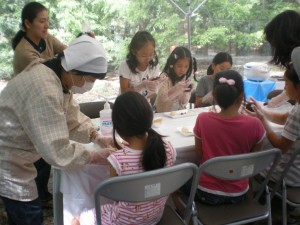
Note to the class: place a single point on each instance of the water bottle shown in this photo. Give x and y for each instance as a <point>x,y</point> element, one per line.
<point>106,125</point>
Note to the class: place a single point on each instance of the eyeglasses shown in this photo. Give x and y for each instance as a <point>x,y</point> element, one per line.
<point>145,56</point>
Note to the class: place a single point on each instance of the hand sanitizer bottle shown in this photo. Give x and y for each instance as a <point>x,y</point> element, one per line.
<point>106,125</point>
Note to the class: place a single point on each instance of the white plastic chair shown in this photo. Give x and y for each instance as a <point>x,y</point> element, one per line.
<point>236,167</point>
<point>160,183</point>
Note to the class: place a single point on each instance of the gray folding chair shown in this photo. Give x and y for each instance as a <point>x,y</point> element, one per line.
<point>57,198</point>
<point>236,167</point>
<point>289,195</point>
<point>91,109</point>
<point>160,183</point>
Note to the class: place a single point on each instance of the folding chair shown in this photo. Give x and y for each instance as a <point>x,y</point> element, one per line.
<point>91,109</point>
<point>289,195</point>
<point>236,167</point>
<point>149,186</point>
<point>57,198</point>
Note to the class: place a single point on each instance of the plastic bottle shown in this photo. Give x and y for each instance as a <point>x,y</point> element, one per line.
<point>106,126</point>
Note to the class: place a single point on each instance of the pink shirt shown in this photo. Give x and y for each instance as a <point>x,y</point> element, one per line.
<point>128,161</point>
<point>226,136</point>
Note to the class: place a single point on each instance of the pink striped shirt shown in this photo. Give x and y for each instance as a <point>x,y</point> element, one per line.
<point>128,161</point>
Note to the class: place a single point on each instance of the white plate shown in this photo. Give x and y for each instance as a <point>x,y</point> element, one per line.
<point>189,129</point>
<point>182,113</point>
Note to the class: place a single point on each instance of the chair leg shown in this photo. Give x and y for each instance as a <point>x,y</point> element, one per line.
<point>57,199</point>
<point>284,210</point>
<point>268,202</point>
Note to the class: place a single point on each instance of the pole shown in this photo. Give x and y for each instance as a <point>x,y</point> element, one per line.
<point>188,16</point>
<point>188,4</point>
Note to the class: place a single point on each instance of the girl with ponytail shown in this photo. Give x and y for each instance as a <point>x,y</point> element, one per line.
<point>146,150</point>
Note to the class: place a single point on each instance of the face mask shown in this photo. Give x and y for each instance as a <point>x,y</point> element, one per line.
<point>87,86</point>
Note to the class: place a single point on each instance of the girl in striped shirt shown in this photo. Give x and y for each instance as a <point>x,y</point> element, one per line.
<point>146,150</point>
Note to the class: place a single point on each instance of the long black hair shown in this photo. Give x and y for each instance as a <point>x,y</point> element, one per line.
<point>283,34</point>
<point>140,39</point>
<point>29,12</point>
<point>226,93</point>
<point>177,54</point>
<point>132,116</point>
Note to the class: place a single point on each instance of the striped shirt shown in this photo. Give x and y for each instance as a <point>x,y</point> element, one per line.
<point>291,131</point>
<point>128,161</point>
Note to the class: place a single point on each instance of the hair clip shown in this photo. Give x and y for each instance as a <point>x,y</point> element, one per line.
<point>175,56</point>
<point>223,80</point>
<point>171,66</point>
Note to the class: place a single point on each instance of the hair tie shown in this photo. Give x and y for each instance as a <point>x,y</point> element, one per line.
<point>223,80</point>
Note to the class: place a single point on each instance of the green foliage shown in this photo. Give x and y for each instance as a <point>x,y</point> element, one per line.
<point>232,25</point>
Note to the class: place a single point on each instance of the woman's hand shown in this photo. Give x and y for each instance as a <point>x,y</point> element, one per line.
<point>100,156</point>
<point>104,142</point>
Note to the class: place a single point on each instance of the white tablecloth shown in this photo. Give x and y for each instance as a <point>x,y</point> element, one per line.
<point>78,186</point>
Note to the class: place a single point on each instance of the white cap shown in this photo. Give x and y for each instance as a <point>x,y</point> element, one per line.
<point>296,60</point>
<point>85,54</point>
<point>106,105</point>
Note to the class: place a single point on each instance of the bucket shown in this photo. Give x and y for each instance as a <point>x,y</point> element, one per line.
<point>256,71</point>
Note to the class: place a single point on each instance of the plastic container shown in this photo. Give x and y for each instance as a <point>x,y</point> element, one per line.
<point>256,71</point>
<point>106,125</point>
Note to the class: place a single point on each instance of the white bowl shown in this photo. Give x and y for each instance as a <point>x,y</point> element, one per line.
<point>256,71</point>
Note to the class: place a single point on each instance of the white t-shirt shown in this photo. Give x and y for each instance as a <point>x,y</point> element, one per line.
<point>136,79</point>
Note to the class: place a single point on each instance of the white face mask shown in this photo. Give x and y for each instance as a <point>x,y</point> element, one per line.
<point>87,86</point>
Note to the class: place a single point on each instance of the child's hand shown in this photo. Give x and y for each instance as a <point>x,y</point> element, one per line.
<point>151,85</point>
<point>189,86</point>
<point>181,86</point>
<point>255,109</point>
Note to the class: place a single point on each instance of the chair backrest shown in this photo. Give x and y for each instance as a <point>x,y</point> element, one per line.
<point>284,172</point>
<point>148,186</point>
<point>236,167</point>
<point>91,109</point>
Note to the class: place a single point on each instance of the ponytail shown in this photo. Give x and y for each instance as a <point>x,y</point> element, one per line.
<point>17,38</point>
<point>210,70</point>
<point>154,153</point>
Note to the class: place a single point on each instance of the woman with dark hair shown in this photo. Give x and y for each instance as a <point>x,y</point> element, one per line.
<point>30,43</point>
<point>38,117</point>
<point>132,119</point>
<point>283,34</point>
<point>221,61</point>
<point>33,41</point>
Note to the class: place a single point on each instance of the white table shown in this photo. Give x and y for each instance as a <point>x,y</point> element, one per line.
<point>78,186</point>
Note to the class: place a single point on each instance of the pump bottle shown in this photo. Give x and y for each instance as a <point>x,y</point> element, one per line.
<point>106,126</point>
